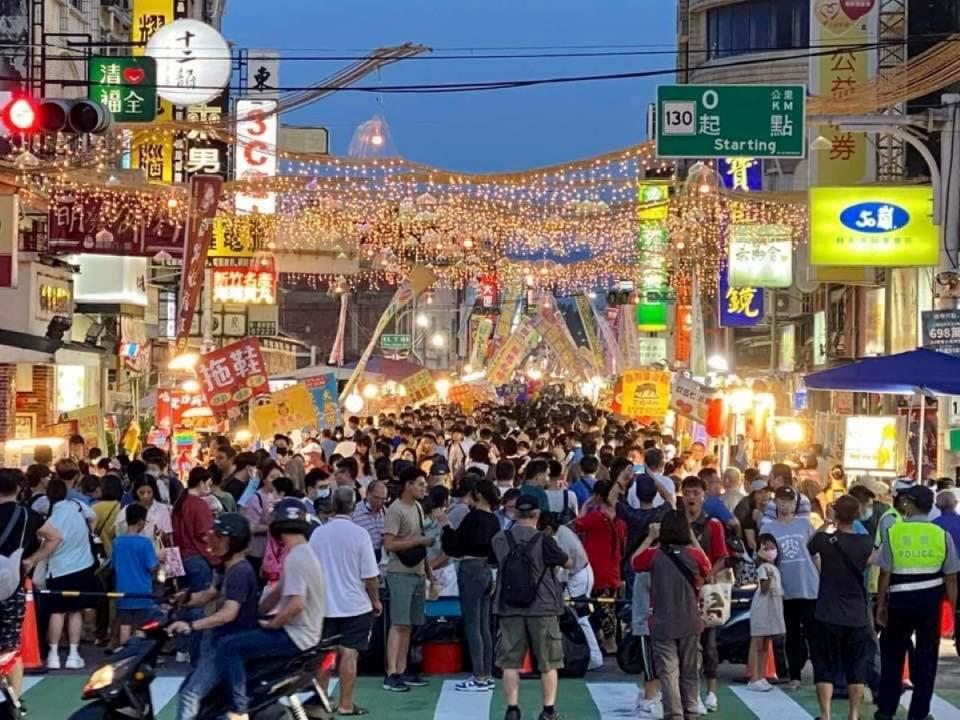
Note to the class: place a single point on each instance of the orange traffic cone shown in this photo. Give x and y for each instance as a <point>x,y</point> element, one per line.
<point>770,671</point>
<point>527,667</point>
<point>29,639</point>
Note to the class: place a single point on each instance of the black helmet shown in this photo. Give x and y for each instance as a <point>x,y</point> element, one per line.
<point>234,526</point>
<point>290,519</point>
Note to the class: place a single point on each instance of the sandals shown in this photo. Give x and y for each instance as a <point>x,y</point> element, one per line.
<point>357,711</point>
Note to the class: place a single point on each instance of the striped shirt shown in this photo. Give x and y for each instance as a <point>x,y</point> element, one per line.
<point>371,522</point>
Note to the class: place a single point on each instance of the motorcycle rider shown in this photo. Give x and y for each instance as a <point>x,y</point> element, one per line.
<point>235,588</point>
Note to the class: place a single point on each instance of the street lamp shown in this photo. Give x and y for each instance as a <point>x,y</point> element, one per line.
<point>438,340</point>
<point>190,386</point>
<point>718,363</point>
<point>370,391</point>
<point>353,403</point>
<point>422,320</point>
<point>184,361</point>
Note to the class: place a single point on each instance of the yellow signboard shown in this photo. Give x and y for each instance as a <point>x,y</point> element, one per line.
<point>419,386</point>
<point>873,226</point>
<point>870,443</point>
<point>151,152</point>
<point>645,394</point>
<point>89,425</point>
<point>289,409</point>
<point>232,238</point>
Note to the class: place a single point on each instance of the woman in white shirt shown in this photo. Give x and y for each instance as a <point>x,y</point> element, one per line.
<point>70,568</point>
<point>159,526</point>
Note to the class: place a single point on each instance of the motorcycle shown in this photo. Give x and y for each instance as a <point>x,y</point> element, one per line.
<point>10,708</point>
<point>277,689</point>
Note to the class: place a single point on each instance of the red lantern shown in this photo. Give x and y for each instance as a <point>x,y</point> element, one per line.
<point>716,418</point>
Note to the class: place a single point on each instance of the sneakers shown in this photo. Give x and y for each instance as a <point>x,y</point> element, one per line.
<point>395,683</point>
<point>474,685</point>
<point>649,710</point>
<point>792,686</point>
<point>53,660</point>
<point>710,701</point>
<point>552,716</point>
<point>701,708</point>
<point>512,714</point>
<point>414,680</point>
<point>74,662</point>
<point>760,686</point>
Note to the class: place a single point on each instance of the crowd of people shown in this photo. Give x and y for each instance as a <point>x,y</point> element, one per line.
<point>518,511</point>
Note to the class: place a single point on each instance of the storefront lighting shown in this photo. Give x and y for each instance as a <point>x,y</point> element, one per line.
<point>52,442</point>
<point>371,391</point>
<point>353,403</point>
<point>443,387</point>
<point>422,320</point>
<point>740,400</point>
<point>190,386</point>
<point>184,361</point>
<point>535,374</point>
<point>438,340</point>
<point>790,432</point>
<point>718,363</point>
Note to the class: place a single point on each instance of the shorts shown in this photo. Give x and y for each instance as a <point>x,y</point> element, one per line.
<point>12,611</point>
<point>84,581</point>
<point>354,631</point>
<point>134,618</point>
<point>541,635</point>
<point>408,594</point>
<point>840,648</point>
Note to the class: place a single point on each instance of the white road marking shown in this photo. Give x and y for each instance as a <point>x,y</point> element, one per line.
<point>454,705</point>
<point>774,704</point>
<point>939,708</point>
<point>162,690</point>
<point>31,681</point>
<point>614,700</point>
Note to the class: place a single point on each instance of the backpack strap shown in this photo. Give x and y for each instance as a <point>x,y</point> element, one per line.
<point>511,540</point>
<point>834,542</point>
<point>674,557</point>
<point>566,502</point>
<point>13,523</point>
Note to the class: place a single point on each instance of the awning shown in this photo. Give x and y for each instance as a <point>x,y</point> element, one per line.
<point>916,371</point>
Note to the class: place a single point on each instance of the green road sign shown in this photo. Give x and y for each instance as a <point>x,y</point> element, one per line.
<point>757,121</point>
<point>395,342</point>
<point>126,86</point>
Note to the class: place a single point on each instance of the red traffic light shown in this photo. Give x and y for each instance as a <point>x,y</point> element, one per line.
<point>20,115</point>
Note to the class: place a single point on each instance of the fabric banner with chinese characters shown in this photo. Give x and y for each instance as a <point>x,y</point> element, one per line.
<point>645,395</point>
<point>470,296</point>
<point>553,329</point>
<point>233,376</point>
<point>739,307</point>
<point>612,354</point>
<point>481,342</point>
<point>589,329</point>
<point>150,151</point>
<point>336,350</point>
<point>851,28</point>
<point>205,193</point>
<point>324,389</point>
<point>508,311</point>
<point>172,403</point>
<point>513,352</point>
<point>292,408</point>
<point>689,398</point>
<point>419,386</point>
<point>419,279</point>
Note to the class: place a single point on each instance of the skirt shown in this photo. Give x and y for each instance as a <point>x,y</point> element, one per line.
<point>84,581</point>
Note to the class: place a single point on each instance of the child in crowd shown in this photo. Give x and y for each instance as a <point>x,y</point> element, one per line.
<point>135,562</point>
<point>766,611</point>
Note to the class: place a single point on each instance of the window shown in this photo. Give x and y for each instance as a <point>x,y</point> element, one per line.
<point>757,26</point>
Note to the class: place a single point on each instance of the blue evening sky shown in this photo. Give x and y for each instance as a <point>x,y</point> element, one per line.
<point>478,131</point>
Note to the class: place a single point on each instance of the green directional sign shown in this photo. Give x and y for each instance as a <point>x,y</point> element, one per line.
<point>126,86</point>
<point>395,342</point>
<point>757,121</point>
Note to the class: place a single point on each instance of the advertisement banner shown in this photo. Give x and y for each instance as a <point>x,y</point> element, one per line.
<point>324,390</point>
<point>172,403</point>
<point>481,342</point>
<point>89,421</point>
<point>653,240</point>
<point>205,193</point>
<point>760,256</point>
<point>689,398</point>
<point>233,376</point>
<point>126,86</point>
<point>150,151</point>
<point>739,307</point>
<point>585,311</point>
<point>255,153</point>
<point>941,331</point>
<point>419,386</point>
<point>651,350</point>
<point>873,226</point>
<point>870,443</point>
<point>245,285</point>
<point>508,312</point>
<point>851,29</point>
<point>513,352</point>
<point>289,409</point>
<point>645,394</point>
<point>552,328</point>
<point>682,328</point>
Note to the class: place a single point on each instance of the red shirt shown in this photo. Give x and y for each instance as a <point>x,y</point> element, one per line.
<point>603,539</point>
<point>713,540</point>
<point>192,520</point>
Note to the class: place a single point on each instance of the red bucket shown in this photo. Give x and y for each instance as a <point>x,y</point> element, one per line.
<point>442,658</point>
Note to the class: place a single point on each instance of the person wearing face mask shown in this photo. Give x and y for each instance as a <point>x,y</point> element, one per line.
<point>507,514</point>
<point>766,611</point>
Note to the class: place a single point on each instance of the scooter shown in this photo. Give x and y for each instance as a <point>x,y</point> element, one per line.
<point>10,708</point>
<point>276,688</point>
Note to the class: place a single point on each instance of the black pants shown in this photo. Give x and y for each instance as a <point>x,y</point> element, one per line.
<point>894,642</point>
<point>798,616</point>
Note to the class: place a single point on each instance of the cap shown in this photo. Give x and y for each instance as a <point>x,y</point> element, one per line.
<point>527,503</point>
<point>877,487</point>
<point>785,492</point>
<point>439,466</point>
<point>902,484</point>
<point>922,497</point>
<point>346,448</point>
<point>311,449</point>
<point>758,485</point>
<point>646,488</point>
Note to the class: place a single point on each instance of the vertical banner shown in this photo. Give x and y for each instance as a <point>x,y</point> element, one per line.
<point>481,341</point>
<point>336,352</point>
<point>151,150</point>
<point>9,236</point>
<point>419,279</point>
<point>739,307</point>
<point>852,28</point>
<point>612,355</point>
<point>255,153</point>
<point>513,352</point>
<point>508,311</point>
<point>683,325</point>
<point>589,330</point>
<point>466,312</point>
<point>652,246</point>
<point>205,191</point>
<point>698,341</point>
<point>324,389</point>
<point>550,325</point>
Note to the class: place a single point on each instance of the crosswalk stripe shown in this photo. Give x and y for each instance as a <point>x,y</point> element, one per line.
<point>163,689</point>
<point>774,704</point>
<point>614,699</point>
<point>31,681</point>
<point>453,705</point>
<point>939,708</point>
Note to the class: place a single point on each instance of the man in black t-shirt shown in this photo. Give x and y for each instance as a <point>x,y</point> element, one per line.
<point>26,529</point>
<point>844,634</point>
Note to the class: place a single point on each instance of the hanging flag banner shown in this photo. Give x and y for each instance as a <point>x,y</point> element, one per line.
<point>233,376</point>
<point>513,352</point>
<point>336,351</point>
<point>466,313</point>
<point>324,390</point>
<point>585,311</point>
<point>645,394</point>
<point>698,341</point>
<point>418,280</point>
<point>552,328</point>
<point>481,342</point>
<point>172,403</point>
<point>689,398</point>
<point>511,301</point>
<point>289,409</point>
<point>739,307</point>
<point>682,328</point>
<point>205,193</point>
<point>613,357</point>
<point>653,241</point>
<point>419,386</point>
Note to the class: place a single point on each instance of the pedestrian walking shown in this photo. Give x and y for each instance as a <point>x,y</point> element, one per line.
<point>766,611</point>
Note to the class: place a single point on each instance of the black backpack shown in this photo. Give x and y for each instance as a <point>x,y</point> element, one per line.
<point>566,516</point>
<point>518,587</point>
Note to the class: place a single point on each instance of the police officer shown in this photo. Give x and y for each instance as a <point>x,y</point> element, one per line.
<point>918,564</point>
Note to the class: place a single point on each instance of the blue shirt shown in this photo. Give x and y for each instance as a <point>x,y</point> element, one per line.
<point>950,522</point>
<point>714,507</point>
<point>133,561</point>
<point>73,494</point>
<point>583,488</point>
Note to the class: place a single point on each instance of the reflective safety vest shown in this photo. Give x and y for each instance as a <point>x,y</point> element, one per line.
<point>873,572</point>
<point>919,550</point>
